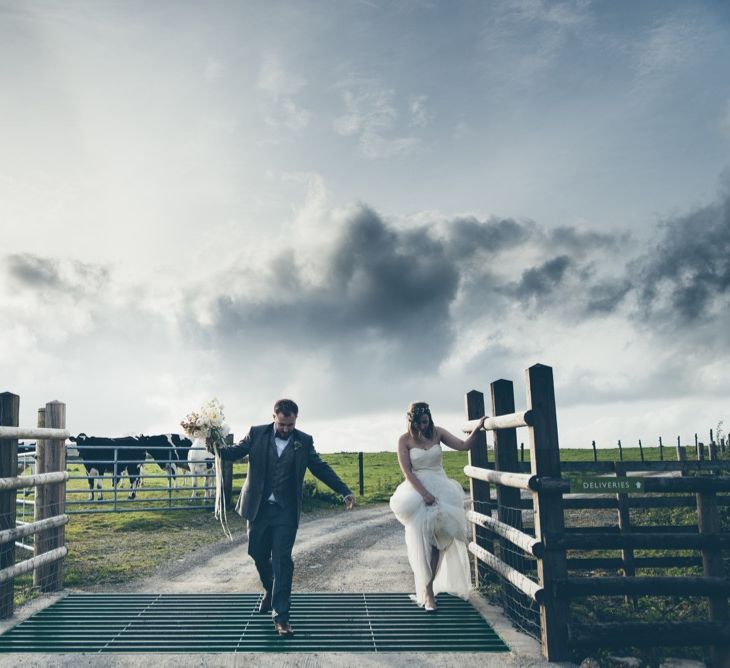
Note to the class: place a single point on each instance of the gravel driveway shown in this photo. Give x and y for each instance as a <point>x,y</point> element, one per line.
<point>358,551</point>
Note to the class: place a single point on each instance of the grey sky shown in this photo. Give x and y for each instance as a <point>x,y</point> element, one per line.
<point>360,204</point>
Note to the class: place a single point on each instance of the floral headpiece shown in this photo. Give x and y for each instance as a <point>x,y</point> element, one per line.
<point>414,414</point>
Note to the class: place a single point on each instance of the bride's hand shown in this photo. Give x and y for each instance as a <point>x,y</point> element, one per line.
<point>429,499</point>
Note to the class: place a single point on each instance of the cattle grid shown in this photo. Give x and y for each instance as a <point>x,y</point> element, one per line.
<point>224,622</point>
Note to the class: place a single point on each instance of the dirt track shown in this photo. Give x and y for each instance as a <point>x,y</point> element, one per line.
<point>358,551</point>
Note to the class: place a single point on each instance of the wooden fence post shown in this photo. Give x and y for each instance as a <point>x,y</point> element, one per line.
<point>548,510</point>
<point>620,451</point>
<point>641,451</point>
<point>361,473</point>
<point>681,456</point>
<point>522,452</point>
<point>509,506</point>
<point>595,454</point>
<point>227,472</point>
<point>9,414</point>
<point>624,525</point>
<point>661,450</point>
<point>53,501</point>
<point>708,522</point>
<point>481,502</point>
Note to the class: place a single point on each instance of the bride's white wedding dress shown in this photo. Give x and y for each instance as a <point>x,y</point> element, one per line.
<point>442,524</point>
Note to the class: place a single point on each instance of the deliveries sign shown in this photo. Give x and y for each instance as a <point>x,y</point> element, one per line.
<point>600,485</point>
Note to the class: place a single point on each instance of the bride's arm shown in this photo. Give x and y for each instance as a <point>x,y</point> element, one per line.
<point>447,438</point>
<point>404,459</point>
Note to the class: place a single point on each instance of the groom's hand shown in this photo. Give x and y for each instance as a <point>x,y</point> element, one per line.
<point>349,501</point>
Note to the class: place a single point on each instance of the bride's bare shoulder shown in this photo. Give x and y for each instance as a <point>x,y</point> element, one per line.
<point>405,441</point>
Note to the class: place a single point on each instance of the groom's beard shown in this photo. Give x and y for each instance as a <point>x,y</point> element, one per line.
<point>283,437</point>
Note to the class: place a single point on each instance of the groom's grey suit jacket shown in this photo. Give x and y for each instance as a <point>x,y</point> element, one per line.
<point>256,445</point>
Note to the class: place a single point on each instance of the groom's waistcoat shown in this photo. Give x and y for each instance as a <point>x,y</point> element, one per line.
<point>279,477</point>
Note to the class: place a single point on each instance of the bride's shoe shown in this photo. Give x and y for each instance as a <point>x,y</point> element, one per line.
<point>430,605</point>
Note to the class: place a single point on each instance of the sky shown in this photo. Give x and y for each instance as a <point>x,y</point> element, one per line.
<point>360,204</point>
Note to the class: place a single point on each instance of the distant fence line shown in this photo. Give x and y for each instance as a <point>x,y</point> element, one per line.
<point>711,449</point>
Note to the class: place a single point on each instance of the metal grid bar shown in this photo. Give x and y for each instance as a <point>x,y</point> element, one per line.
<point>102,623</point>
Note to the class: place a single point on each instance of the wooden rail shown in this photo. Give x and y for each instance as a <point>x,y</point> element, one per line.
<point>32,564</point>
<point>522,540</point>
<point>35,480</point>
<point>32,528</point>
<point>510,421</point>
<point>523,583</point>
<point>33,432</point>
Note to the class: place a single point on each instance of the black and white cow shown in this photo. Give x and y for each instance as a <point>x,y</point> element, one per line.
<point>170,451</point>
<point>98,455</point>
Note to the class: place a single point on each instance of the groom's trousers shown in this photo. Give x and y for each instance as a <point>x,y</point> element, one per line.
<point>270,541</point>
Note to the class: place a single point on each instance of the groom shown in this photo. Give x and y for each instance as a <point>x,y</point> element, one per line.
<point>271,501</point>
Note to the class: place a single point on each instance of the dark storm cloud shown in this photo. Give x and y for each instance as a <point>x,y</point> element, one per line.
<point>389,289</point>
<point>605,297</point>
<point>466,236</point>
<point>576,241</point>
<point>539,282</point>
<point>34,271</point>
<point>380,286</point>
<point>686,276</point>
<point>42,274</point>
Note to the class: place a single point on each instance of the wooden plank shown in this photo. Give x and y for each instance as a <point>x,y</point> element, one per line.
<point>548,509</point>
<point>642,541</point>
<point>648,634</point>
<point>9,413</point>
<point>592,563</point>
<point>642,586</point>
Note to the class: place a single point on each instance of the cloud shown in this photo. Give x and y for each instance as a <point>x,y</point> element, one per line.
<point>280,87</point>
<point>668,44</point>
<point>685,277</point>
<point>372,117</point>
<point>36,273</point>
<point>393,296</point>
<point>538,282</point>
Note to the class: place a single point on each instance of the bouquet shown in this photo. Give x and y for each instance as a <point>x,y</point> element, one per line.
<point>208,424</point>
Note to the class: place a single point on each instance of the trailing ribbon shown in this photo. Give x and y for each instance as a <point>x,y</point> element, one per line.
<point>219,509</point>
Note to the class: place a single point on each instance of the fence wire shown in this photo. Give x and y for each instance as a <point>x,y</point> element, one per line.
<point>522,611</point>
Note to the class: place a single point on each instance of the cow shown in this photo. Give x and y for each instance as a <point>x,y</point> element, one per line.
<point>200,462</point>
<point>98,456</point>
<point>170,451</point>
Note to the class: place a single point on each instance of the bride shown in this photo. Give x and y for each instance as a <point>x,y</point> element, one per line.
<point>431,508</point>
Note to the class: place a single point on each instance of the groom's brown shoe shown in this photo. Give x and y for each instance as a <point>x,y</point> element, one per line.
<point>265,605</point>
<point>284,629</point>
